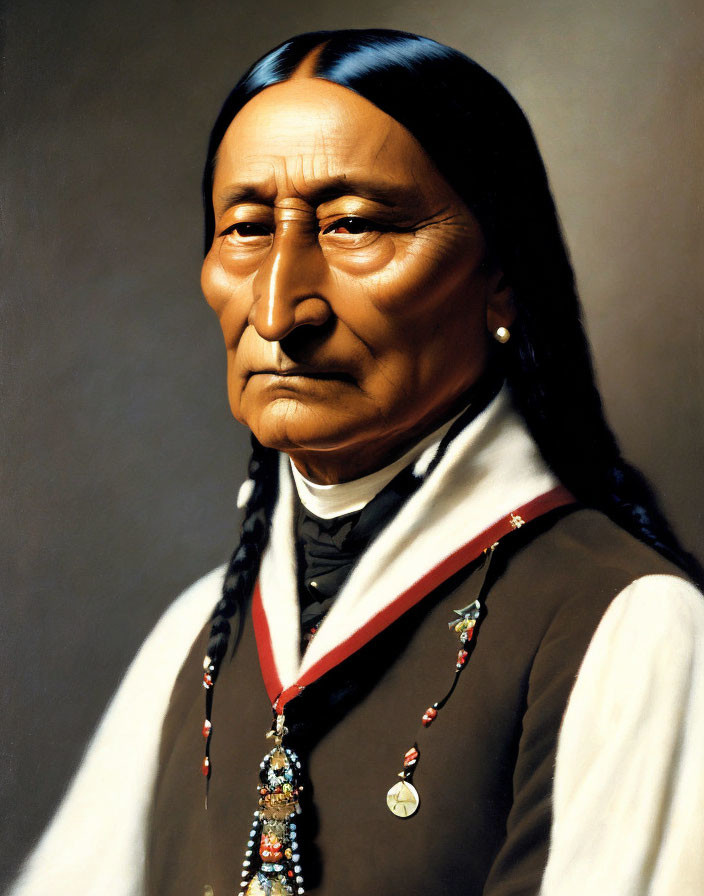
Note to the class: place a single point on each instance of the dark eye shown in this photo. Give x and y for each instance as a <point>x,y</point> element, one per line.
<point>246,229</point>
<point>351,225</point>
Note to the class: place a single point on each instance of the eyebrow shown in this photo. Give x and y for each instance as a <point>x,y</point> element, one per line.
<point>384,193</point>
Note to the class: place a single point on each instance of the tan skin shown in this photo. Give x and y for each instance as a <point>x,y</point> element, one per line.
<point>348,278</point>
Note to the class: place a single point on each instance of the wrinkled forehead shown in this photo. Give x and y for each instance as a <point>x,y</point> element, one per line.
<point>308,130</point>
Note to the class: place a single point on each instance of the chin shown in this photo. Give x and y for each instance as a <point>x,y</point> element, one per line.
<point>290,426</point>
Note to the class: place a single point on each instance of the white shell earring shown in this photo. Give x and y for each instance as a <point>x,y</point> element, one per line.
<point>502,334</point>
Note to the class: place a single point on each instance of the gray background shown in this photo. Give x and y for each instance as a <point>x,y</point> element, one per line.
<point>120,459</point>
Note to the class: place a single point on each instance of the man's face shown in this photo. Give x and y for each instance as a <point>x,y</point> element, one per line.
<point>348,278</point>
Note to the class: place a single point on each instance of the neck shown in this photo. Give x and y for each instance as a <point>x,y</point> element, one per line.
<point>328,501</point>
<point>327,468</point>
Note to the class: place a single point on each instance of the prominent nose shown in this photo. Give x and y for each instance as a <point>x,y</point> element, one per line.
<point>288,285</point>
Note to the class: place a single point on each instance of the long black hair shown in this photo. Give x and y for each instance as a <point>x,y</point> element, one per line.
<point>481,142</point>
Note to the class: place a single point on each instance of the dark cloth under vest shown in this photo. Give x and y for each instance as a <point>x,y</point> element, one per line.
<point>485,773</point>
<point>328,549</point>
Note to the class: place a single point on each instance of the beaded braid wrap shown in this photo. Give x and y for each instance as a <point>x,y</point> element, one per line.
<point>241,575</point>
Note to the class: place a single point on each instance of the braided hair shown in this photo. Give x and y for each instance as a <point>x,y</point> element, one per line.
<point>241,573</point>
<point>244,563</point>
<point>480,141</point>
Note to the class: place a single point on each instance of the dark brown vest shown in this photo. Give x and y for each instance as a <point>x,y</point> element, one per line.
<point>486,764</point>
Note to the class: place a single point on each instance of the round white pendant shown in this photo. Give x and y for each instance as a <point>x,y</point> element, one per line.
<point>402,799</point>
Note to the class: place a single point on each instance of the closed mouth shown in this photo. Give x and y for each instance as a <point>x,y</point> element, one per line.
<point>305,372</point>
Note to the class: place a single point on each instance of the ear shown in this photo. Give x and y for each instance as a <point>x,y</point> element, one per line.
<point>500,306</point>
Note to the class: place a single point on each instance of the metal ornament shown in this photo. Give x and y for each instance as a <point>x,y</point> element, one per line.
<point>464,626</point>
<point>271,864</point>
<point>403,799</point>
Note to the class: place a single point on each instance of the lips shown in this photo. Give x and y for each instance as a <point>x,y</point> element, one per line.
<point>303,371</point>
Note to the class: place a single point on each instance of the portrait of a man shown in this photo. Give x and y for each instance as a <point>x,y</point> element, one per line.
<point>401,591</point>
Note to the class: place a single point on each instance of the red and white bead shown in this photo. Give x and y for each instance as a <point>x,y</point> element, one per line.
<point>429,716</point>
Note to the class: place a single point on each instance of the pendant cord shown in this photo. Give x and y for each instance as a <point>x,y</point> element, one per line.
<point>404,803</point>
<point>488,556</point>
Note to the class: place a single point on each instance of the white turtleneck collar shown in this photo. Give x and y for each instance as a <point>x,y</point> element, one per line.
<point>329,501</point>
